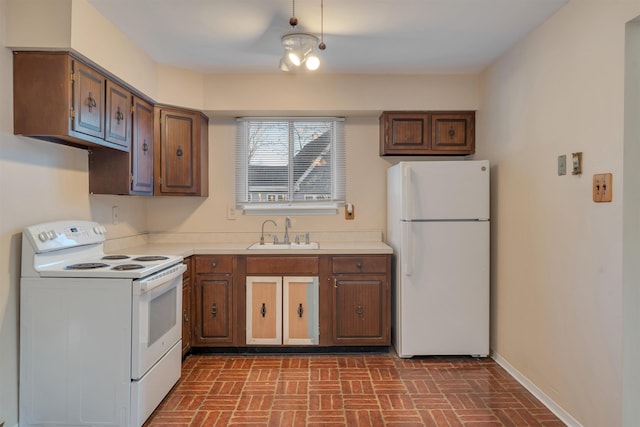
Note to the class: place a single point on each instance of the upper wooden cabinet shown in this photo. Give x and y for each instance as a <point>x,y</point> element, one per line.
<point>181,155</point>
<point>60,98</point>
<point>424,133</point>
<point>119,172</point>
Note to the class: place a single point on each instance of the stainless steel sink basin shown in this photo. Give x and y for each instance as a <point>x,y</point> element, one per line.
<point>285,246</point>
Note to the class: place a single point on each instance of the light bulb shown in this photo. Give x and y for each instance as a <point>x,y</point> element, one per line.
<point>312,62</point>
<point>293,57</point>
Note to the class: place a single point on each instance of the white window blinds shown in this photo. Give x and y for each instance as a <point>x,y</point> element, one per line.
<point>290,165</point>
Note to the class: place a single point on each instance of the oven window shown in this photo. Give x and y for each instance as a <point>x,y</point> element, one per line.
<point>162,314</point>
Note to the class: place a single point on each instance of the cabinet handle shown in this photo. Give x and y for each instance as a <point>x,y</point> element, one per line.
<point>452,132</point>
<point>214,309</point>
<point>359,311</point>
<point>263,310</point>
<point>214,264</point>
<point>119,115</point>
<point>300,310</point>
<point>145,146</point>
<point>91,102</point>
<point>179,152</point>
<point>335,282</point>
<point>359,264</point>
<point>185,317</point>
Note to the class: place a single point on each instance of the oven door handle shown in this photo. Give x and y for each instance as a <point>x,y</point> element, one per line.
<point>159,279</point>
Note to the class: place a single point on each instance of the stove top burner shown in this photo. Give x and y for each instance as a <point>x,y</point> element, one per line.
<point>115,257</point>
<point>123,267</point>
<point>151,258</point>
<point>86,266</point>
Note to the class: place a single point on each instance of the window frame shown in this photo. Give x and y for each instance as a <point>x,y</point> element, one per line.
<point>288,207</point>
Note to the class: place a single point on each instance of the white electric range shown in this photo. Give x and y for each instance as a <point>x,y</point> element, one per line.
<point>100,335</point>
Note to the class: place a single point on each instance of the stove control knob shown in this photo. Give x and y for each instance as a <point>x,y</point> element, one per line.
<point>43,236</point>
<point>97,230</point>
<point>52,234</point>
<point>103,229</point>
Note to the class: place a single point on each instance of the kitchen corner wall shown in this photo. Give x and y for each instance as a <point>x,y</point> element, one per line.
<point>557,277</point>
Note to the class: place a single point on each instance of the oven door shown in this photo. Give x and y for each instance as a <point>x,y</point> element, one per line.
<point>156,321</point>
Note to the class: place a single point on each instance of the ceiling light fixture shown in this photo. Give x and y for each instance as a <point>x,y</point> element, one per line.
<point>299,47</point>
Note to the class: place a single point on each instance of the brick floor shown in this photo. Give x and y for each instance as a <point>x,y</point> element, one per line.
<point>347,390</point>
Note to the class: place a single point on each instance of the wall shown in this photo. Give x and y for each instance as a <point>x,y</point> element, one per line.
<point>557,295</point>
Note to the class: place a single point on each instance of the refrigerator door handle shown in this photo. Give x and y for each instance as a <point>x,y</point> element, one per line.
<point>406,193</point>
<point>406,249</point>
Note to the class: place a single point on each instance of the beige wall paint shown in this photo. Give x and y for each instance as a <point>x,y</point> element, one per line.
<point>556,255</point>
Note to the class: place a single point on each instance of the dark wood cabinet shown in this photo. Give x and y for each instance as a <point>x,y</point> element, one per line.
<point>361,300</point>
<point>118,115</point>
<point>214,301</point>
<point>118,172</point>
<point>58,97</point>
<point>427,133</point>
<point>181,155</point>
<point>187,318</point>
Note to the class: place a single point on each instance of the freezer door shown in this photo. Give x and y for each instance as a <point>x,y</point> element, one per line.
<point>445,190</point>
<point>442,289</point>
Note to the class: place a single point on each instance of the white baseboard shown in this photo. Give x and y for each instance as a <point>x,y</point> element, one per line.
<point>564,416</point>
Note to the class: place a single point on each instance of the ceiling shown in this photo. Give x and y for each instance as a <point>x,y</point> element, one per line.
<point>362,36</point>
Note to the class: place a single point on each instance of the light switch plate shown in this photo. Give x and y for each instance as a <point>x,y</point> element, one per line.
<point>562,165</point>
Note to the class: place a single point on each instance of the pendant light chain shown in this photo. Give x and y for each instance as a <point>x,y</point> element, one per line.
<point>322,46</point>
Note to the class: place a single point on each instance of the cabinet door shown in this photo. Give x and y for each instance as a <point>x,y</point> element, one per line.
<point>118,120</point>
<point>404,133</point>
<point>213,310</point>
<point>142,148</point>
<point>182,159</point>
<point>264,310</point>
<point>361,309</point>
<point>453,133</point>
<point>300,304</point>
<point>88,100</point>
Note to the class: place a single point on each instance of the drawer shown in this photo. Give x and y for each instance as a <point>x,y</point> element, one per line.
<point>284,265</point>
<point>359,264</point>
<point>214,264</point>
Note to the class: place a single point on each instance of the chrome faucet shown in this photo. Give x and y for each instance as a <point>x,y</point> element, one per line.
<point>262,233</point>
<point>287,224</point>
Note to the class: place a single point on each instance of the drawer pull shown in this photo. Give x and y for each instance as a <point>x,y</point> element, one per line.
<point>214,309</point>
<point>452,132</point>
<point>300,310</point>
<point>214,264</point>
<point>145,146</point>
<point>360,311</point>
<point>91,102</point>
<point>119,115</point>
<point>359,264</point>
<point>179,153</point>
<point>263,310</point>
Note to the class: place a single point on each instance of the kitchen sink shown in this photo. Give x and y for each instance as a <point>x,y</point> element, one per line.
<point>285,246</point>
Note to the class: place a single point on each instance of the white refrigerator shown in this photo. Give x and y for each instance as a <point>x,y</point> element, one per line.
<point>438,226</point>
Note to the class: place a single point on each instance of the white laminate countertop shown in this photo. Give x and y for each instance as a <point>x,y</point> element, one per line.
<point>203,244</point>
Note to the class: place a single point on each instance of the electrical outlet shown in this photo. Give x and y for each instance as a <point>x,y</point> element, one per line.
<point>602,187</point>
<point>231,212</point>
<point>562,165</point>
<point>115,216</point>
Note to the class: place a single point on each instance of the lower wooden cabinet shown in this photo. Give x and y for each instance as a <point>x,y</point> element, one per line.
<point>214,301</point>
<point>361,300</point>
<point>282,310</point>
<point>305,300</point>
